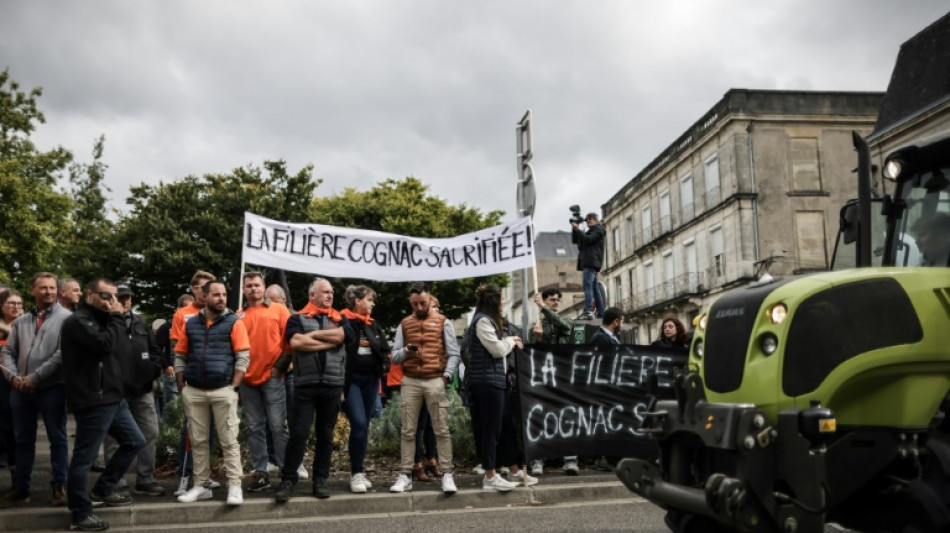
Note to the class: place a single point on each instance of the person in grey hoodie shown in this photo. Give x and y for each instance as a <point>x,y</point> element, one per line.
<point>32,364</point>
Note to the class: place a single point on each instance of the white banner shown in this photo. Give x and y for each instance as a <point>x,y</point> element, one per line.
<point>337,252</point>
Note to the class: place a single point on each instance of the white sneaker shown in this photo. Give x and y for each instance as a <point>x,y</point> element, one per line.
<point>478,470</point>
<point>402,484</point>
<point>183,485</point>
<point>272,468</point>
<point>570,468</point>
<point>213,484</point>
<point>358,483</point>
<point>498,483</point>
<point>196,493</point>
<point>302,474</point>
<point>504,470</point>
<point>537,468</point>
<point>521,476</point>
<point>235,496</point>
<point>448,483</point>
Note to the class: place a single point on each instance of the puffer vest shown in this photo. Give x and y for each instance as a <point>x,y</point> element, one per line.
<point>210,354</point>
<point>327,367</point>
<point>483,369</point>
<point>426,334</point>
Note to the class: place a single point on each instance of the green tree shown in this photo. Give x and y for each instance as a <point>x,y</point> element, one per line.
<point>89,250</point>
<point>195,223</point>
<point>406,207</point>
<point>34,216</point>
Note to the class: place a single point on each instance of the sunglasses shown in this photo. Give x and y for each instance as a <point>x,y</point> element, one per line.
<point>106,295</point>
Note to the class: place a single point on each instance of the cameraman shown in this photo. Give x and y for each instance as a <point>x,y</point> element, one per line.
<point>590,257</point>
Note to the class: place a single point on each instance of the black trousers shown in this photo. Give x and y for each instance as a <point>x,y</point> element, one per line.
<point>318,405</point>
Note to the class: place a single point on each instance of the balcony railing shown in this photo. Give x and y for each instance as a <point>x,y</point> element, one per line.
<point>686,284</point>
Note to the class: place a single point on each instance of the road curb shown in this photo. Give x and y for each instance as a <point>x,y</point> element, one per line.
<point>303,505</point>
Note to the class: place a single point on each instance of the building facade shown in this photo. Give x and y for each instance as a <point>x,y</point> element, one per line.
<point>556,263</point>
<point>754,186</point>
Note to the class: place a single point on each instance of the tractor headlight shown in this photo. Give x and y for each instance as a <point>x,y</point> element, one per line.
<point>778,313</point>
<point>702,322</point>
<point>893,169</point>
<point>698,348</point>
<point>769,343</point>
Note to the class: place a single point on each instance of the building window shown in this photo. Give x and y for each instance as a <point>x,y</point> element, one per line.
<point>650,282</point>
<point>810,240</point>
<point>668,275</point>
<point>631,282</point>
<point>693,277</point>
<point>686,197</point>
<point>560,252</point>
<point>646,224</point>
<point>718,267</point>
<point>618,292</point>
<point>803,158</point>
<point>666,222</point>
<point>713,193</point>
<point>616,238</point>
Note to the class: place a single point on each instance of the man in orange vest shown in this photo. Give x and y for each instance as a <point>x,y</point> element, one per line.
<point>426,347</point>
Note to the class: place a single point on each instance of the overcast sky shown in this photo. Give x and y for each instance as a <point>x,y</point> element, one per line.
<point>370,90</point>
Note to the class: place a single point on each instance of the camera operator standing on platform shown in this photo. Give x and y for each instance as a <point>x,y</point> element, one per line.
<point>590,257</point>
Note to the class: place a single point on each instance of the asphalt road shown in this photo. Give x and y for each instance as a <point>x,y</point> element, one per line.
<point>601,517</point>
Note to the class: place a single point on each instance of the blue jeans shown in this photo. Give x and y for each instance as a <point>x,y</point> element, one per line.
<point>319,405</point>
<point>265,411</point>
<point>359,406</point>
<point>593,295</point>
<point>50,403</point>
<point>92,426</point>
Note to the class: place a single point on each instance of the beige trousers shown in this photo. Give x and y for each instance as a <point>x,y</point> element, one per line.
<point>199,405</point>
<point>412,394</point>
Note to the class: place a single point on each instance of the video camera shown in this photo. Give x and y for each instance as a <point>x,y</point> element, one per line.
<point>576,217</point>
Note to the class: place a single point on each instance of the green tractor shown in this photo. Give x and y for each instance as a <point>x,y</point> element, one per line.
<point>820,399</point>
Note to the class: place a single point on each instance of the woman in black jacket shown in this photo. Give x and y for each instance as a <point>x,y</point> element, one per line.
<point>367,361</point>
<point>672,334</point>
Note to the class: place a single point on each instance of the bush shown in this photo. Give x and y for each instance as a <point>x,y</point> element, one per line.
<point>385,436</point>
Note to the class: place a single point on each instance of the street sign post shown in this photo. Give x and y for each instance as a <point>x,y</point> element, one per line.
<point>525,196</point>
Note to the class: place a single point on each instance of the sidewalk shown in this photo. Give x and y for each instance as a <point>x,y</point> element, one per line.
<point>554,487</point>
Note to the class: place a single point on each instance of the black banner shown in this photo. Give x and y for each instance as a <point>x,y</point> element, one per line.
<point>586,400</point>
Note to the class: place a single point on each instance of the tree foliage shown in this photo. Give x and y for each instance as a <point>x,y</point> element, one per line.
<point>33,214</point>
<point>406,207</point>
<point>89,249</point>
<point>196,223</point>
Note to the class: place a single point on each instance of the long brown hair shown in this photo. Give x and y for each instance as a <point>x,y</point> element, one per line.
<point>488,301</point>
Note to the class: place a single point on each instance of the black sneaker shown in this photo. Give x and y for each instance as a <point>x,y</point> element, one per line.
<point>259,482</point>
<point>149,489</point>
<point>285,491</point>
<point>115,499</point>
<point>90,523</point>
<point>320,488</point>
<point>98,467</point>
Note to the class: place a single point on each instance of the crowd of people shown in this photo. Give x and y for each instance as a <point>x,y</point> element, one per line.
<point>290,371</point>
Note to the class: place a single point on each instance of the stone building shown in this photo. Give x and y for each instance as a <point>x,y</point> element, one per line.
<point>754,186</point>
<point>556,262</point>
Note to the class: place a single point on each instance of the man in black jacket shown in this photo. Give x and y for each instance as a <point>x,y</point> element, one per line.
<point>141,366</point>
<point>93,340</point>
<point>590,258</point>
